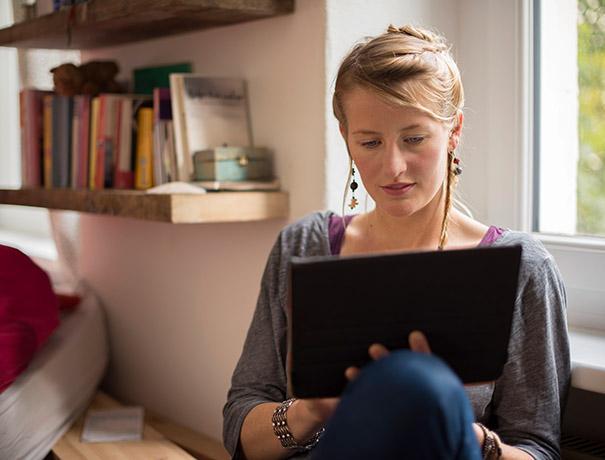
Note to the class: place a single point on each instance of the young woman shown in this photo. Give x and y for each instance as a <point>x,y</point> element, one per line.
<point>398,99</point>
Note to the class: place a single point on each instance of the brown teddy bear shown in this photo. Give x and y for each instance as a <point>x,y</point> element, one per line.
<point>91,78</point>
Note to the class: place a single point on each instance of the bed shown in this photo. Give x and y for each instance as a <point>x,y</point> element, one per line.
<point>41,404</point>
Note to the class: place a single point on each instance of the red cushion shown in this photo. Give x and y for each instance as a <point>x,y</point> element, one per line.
<point>29,312</point>
<point>17,342</point>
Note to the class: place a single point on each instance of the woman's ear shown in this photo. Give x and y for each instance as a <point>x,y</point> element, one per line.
<point>455,133</point>
<point>343,131</point>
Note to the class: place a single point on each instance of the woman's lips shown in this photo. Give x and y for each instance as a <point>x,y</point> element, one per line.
<point>397,189</point>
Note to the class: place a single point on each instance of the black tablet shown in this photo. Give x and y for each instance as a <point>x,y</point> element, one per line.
<point>461,299</point>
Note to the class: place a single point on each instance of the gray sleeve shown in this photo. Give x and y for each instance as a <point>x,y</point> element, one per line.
<point>259,375</point>
<point>530,395</point>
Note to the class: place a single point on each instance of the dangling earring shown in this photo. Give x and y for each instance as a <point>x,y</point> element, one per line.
<point>457,169</point>
<point>353,186</point>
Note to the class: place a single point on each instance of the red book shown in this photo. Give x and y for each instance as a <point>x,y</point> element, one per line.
<point>31,109</point>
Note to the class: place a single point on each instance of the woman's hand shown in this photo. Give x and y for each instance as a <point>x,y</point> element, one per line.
<point>319,410</point>
<point>307,416</point>
<point>416,339</point>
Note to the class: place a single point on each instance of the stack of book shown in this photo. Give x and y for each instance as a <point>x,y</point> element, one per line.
<point>138,140</point>
<point>86,142</point>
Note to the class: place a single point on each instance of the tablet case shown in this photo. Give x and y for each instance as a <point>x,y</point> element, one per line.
<point>462,300</point>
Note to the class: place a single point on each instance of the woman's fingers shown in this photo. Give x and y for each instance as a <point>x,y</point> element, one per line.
<point>351,373</point>
<point>418,342</point>
<point>377,351</point>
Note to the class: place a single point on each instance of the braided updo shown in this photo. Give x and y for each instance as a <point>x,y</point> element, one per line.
<point>411,67</point>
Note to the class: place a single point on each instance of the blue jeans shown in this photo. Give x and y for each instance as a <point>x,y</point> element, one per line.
<point>405,406</point>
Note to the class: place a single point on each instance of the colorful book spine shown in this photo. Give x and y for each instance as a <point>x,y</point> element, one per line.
<point>124,174</point>
<point>106,141</point>
<point>48,140</point>
<point>80,142</point>
<point>62,113</point>
<point>94,128</point>
<point>163,170</point>
<point>144,153</point>
<point>31,120</point>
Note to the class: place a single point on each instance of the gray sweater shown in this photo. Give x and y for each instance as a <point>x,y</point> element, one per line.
<point>523,406</point>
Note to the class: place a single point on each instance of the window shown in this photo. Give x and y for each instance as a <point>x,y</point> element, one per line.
<point>570,122</point>
<point>569,148</point>
<point>591,117</point>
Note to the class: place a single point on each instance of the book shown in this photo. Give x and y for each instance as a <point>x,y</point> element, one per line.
<point>124,140</point>
<point>92,155</point>
<point>31,121</point>
<point>62,114</point>
<point>147,78</point>
<point>164,158</point>
<point>207,112</point>
<point>47,137</point>
<point>106,137</point>
<point>123,171</point>
<point>112,425</point>
<point>80,142</point>
<point>143,178</point>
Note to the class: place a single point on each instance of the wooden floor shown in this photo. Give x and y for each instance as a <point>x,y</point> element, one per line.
<point>160,439</point>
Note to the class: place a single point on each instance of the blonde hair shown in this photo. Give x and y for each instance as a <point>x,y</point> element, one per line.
<point>410,67</point>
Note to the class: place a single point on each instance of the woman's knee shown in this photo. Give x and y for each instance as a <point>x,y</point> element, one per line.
<point>414,379</point>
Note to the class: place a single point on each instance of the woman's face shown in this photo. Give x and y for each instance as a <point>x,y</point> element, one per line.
<point>400,152</point>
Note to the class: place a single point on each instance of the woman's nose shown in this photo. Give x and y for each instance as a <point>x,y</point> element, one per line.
<point>394,161</point>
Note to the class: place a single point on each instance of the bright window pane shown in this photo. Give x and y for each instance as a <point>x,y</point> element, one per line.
<point>591,119</point>
<point>571,117</point>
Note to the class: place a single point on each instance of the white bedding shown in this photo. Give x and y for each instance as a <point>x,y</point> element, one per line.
<point>41,404</point>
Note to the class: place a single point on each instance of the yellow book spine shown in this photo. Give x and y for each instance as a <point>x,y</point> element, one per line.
<point>92,151</point>
<point>143,173</point>
<point>47,136</point>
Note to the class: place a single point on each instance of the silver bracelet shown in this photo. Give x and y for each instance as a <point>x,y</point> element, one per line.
<point>491,449</point>
<point>282,431</point>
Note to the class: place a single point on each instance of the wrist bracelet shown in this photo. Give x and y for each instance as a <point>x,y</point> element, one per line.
<point>282,431</point>
<point>492,446</point>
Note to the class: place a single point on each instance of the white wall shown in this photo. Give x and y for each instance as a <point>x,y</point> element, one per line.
<point>179,298</point>
<point>10,169</point>
<point>495,179</point>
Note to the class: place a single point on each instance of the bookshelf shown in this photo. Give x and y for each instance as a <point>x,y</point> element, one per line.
<point>103,23</point>
<point>175,208</point>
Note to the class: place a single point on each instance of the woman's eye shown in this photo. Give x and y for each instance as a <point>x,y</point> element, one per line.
<point>414,140</point>
<point>370,144</point>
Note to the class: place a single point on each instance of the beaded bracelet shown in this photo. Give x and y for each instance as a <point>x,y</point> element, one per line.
<point>283,433</point>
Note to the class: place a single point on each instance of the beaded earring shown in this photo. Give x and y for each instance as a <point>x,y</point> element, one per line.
<point>353,186</point>
<point>456,164</point>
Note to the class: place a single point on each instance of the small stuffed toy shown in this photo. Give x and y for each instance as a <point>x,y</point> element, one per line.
<point>90,78</point>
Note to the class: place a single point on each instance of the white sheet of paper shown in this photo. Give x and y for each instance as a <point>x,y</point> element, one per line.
<point>110,425</point>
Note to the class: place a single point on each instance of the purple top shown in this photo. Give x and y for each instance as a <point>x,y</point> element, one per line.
<point>337,233</point>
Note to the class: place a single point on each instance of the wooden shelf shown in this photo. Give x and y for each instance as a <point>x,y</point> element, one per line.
<point>175,208</point>
<point>102,23</point>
